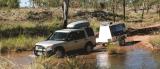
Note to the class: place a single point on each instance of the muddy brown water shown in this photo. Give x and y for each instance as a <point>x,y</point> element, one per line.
<point>23,58</point>
<point>137,58</point>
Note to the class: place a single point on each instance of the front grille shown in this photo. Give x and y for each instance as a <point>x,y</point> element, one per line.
<point>39,47</point>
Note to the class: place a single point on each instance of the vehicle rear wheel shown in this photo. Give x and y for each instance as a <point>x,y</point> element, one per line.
<point>59,53</point>
<point>88,48</point>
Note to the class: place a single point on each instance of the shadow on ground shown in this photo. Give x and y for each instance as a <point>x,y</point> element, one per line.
<point>131,43</point>
<point>144,31</point>
<point>100,15</point>
<point>82,52</point>
<point>30,31</point>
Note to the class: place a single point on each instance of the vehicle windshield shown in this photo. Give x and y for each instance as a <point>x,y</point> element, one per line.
<point>58,36</point>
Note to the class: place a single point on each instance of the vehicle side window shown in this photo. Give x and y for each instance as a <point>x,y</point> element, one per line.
<point>89,31</point>
<point>71,36</point>
<point>117,29</point>
<point>80,34</point>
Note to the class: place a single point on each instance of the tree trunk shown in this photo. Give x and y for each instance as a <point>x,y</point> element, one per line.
<point>159,10</point>
<point>113,11</point>
<point>124,10</point>
<point>135,9</point>
<point>142,16</point>
<point>65,12</point>
<point>148,8</point>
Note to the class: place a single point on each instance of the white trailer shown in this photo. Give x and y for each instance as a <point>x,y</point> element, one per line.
<point>111,32</point>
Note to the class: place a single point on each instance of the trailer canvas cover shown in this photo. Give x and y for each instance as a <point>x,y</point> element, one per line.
<point>104,33</point>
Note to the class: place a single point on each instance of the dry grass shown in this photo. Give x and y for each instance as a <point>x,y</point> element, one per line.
<point>6,64</point>
<point>50,63</point>
<point>155,41</point>
<point>150,18</point>
<point>65,63</point>
<point>114,49</point>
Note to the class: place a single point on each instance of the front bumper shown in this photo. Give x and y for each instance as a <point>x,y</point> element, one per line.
<point>40,50</point>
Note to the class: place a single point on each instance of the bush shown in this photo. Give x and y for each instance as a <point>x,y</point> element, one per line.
<point>115,49</point>
<point>155,41</point>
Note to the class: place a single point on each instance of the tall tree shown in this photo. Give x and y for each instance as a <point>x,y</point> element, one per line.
<point>65,12</point>
<point>157,3</point>
<point>136,4</point>
<point>124,9</point>
<point>143,8</point>
<point>113,10</point>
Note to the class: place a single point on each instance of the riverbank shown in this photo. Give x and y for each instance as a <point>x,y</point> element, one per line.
<point>136,55</point>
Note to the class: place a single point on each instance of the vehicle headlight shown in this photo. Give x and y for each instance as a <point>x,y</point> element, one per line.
<point>49,48</point>
<point>38,47</point>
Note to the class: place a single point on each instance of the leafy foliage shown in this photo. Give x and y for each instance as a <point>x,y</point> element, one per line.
<point>9,3</point>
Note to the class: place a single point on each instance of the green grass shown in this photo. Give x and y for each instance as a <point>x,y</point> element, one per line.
<point>23,35</point>
<point>20,42</point>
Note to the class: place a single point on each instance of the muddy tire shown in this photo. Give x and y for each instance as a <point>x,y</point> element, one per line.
<point>88,48</point>
<point>121,42</point>
<point>35,52</point>
<point>59,52</point>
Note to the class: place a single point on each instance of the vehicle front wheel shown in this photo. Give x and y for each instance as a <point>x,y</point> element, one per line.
<point>59,53</point>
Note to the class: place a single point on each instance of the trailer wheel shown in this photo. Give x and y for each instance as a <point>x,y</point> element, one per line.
<point>121,41</point>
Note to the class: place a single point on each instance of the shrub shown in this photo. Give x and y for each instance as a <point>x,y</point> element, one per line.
<point>114,49</point>
<point>155,41</point>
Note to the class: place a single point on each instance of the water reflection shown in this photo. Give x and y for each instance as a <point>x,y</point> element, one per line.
<point>102,61</point>
<point>136,59</point>
<point>117,61</point>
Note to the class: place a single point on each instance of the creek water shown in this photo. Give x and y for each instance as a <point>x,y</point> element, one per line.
<point>135,59</point>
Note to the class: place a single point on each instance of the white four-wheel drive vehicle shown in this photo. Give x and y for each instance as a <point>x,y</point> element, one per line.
<point>78,35</point>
